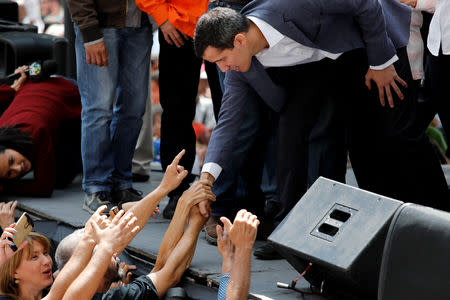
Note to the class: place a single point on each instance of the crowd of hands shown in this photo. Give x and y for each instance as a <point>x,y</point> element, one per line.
<point>111,234</point>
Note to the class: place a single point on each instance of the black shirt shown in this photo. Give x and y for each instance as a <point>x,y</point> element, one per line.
<point>140,288</point>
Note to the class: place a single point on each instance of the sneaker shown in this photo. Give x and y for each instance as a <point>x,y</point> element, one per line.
<point>169,210</point>
<point>124,196</point>
<point>140,178</point>
<point>266,252</point>
<point>93,201</point>
<point>210,230</point>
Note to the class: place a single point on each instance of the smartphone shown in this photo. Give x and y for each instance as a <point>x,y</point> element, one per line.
<point>23,226</point>
<point>113,212</point>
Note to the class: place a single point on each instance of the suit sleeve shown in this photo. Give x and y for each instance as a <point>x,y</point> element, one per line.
<point>379,21</point>
<point>369,16</point>
<point>236,93</point>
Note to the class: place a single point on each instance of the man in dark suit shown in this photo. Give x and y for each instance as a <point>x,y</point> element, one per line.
<point>324,55</point>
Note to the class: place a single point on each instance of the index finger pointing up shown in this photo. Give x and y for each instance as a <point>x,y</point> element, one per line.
<point>177,158</point>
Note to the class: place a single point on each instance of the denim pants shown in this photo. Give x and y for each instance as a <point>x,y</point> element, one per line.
<point>113,103</point>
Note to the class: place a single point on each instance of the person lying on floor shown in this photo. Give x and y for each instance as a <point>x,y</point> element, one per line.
<point>40,132</point>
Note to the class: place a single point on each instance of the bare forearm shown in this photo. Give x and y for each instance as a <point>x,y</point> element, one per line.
<point>173,234</point>
<point>86,284</point>
<point>178,260</point>
<point>240,275</point>
<point>78,261</point>
<point>144,208</point>
<point>227,264</point>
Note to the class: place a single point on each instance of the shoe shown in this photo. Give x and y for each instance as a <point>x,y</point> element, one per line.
<point>140,177</point>
<point>210,230</point>
<point>271,208</point>
<point>124,196</point>
<point>93,201</point>
<point>169,210</point>
<point>266,252</point>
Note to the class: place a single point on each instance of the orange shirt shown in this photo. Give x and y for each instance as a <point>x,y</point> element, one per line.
<point>182,14</point>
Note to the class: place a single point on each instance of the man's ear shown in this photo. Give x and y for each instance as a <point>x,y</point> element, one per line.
<point>240,40</point>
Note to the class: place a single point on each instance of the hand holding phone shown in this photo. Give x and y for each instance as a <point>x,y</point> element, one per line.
<point>22,228</point>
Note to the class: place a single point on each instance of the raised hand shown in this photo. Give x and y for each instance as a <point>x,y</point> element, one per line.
<point>18,82</point>
<point>101,220</point>
<point>174,174</point>
<point>243,230</point>
<point>7,213</point>
<point>5,250</point>
<point>118,233</point>
<point>226,248</point>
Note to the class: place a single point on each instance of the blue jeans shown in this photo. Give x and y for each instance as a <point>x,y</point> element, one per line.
<point>110,127</point>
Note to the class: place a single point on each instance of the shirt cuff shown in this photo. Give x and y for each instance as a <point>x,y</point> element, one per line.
<point>93,42</point>
<point>386,64</point>
<point>213,169</point>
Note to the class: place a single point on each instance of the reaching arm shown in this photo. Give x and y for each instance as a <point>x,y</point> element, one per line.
<point>242,234</point>
<point>181,255</point>
<point>79,259</point>
<point>196,193</point>
<point>144,208</point>
<point>111,240</point>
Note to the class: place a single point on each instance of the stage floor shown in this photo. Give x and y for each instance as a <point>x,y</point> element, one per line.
<point>62,213</point>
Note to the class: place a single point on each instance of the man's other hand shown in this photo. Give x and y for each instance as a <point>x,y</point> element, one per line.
<point>385,80</point>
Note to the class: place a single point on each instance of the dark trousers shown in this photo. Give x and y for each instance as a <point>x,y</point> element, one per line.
<point>179,73</point>
<point>311,130</point>
<point>389,151</point>
<point>439,80</point>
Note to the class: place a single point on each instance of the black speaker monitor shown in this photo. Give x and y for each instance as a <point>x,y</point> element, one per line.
<point>341,230</point>
<point>23,48</point>
<point>9,10</point>
<point>416,260</point>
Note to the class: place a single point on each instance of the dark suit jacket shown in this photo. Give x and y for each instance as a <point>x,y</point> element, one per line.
<point>332,25</point>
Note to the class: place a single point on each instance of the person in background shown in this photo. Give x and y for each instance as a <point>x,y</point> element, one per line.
<point>30,13</point>
<point>113,44</point>
<point>179,72</point>
<point>39,132</point>
<point>439,46</point>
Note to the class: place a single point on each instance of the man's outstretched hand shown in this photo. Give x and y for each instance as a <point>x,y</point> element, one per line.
<point>385,80</point>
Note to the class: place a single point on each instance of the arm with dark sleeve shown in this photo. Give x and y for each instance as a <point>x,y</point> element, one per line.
<point>6,96</point>
<point>231,114</point>
<point>379,27</point>
<point>84,15</point>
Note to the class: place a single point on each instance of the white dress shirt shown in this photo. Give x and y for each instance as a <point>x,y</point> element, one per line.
<point>283,52</point>
<point>439,34</point>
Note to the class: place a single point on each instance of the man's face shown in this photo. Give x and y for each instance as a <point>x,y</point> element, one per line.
<point>236,59</point>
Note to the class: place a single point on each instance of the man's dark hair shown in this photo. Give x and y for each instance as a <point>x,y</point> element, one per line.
<point>217,28</point>
<point>12,137</point>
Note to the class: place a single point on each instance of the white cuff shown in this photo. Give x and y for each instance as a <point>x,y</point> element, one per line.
<point>93,42</point>
<point>213,169</point>
<point>386,64</point>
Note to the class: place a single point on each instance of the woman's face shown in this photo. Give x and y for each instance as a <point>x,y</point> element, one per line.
<point>13,164</point>
<point>35,272</point>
